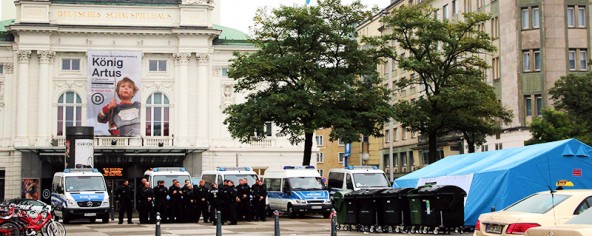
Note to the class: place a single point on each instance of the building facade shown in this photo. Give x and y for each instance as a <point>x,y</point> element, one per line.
<point>44,88</point>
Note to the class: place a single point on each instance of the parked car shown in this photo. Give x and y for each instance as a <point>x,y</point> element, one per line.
<point>540,209</point>
<point>580,225</point>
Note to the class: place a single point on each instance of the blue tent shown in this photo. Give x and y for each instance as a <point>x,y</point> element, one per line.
<point>500,178</point>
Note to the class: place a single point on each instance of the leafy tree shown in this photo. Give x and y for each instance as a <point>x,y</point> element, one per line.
<point>445,56</point>
<point>572,96</point>
<point>309,73</point>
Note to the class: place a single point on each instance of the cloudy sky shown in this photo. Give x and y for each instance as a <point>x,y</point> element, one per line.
<point>239,14</point>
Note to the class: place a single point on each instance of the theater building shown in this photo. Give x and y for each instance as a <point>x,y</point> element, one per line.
<point>60,61</point>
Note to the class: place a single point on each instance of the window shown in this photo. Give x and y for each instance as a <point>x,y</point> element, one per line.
<point>319,139</point>
<point>445,12</point>
<point>157,115</point>
<point>581,16</point>
<point>387,135</point>
<point>2,183</point>
<point>572,59</point>
<point>498,146</point>
<point>525,19</point>
<point>484,148</point>
<point>336,180</point>
<point>403,156</point>
<point>454,8</point>
<point>411,161</point>
<point>527,106</point>
<point>468,5</point>
<point>340,143</point>
<point>495,68</point>
<point>539,105</point>
<point>584,205</point>
<point>225,72</point>
<point>396,134</point>
<point>1,69</point>
<point>437,14</point>
<point>320,157</point>
<point>583,58</point>
<point>535,18</point>
<point>157,65</point>
<point>320,172</point>
<point>526,61</point>
<point>537,60</point>
<point>69,64</point>
<point>274,184</point>
<point>69,112</point>
<point>267,129</point>
<point>570,16</point>
<point>340,157</point>
<point>404,134</point>
<point>494,27</point>
<point>425,157</point>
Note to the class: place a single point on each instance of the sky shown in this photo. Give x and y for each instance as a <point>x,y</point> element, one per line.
<point>238,14</point>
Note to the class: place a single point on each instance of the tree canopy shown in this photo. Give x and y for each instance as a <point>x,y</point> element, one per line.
<point>309,72</point>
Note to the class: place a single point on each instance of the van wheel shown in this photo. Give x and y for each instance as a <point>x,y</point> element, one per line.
<point>93,220</point>
<point>105,219</point>
<point>269,212</point>
<point>326,215</point>
<point>291,212</point>
<point>65,218</point>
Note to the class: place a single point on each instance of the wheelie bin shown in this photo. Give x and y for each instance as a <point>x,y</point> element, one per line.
<point>367,206</point>
<point>351,210</point>
<point>444,208</point>
<point>416,207</point>
<point>340,208</point>
<point>394,213</point>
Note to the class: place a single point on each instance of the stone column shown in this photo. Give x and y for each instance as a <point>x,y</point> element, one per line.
<point>182,109</point>
<point>202,99</point>
<point>44,104</point>
<point>22,103</point>
<point>6,101</point>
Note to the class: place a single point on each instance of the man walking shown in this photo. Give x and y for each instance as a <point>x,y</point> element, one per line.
<point>125,195</point>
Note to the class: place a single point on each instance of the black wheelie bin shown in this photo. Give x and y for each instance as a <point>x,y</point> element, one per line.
<point>394,213</point>
<point>444,208</point>
<point>351,210</point>
<point>367,206</point>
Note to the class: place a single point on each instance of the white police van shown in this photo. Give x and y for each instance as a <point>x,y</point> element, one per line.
<point>230,173</point>
<point>297,190</point>
<point>80,193</point>
<point>167,174</point>
<point>357,178</point>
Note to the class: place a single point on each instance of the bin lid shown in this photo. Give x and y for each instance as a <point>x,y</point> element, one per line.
<point>340,194</point>
<point>442,189</point>
<point>396,191</point>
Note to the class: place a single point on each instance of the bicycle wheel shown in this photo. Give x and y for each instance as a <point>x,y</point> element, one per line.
<point>54,228</point>
<point>9,229</point>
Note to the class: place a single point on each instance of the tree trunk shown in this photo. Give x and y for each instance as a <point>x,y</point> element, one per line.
<point>307,148</point>
<point>471,145</point>
<point>432,147</point>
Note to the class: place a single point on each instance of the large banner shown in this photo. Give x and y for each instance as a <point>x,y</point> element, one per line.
<point>114,92</point>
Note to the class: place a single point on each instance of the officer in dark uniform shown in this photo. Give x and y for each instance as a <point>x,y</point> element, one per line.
<point>223,206</point>
<point>160,196</point>
<point>201,196</point>
<point>244,193</point>
<point>189,203</point>
<point>145,207</point>
<point>259,196</point>
<point>176,203</point>
<point>126,196</point>
<point>214,198</point>
<point>231,202</point>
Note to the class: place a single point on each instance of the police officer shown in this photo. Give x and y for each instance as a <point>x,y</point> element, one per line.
<point>259,195</point>
<point>223,193</point>
<point>125,195</point>
<point>231,202</point>
<point>201,196</point>
<point>189,203</point>
<point>145,206</point>
<point>176,203</point>
<point>161,194</point>
<point>214,198</point>
<point>244,193</point>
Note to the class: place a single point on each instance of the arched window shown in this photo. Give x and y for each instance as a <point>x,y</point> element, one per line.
<point>157,115</point>
<point>69,112</point>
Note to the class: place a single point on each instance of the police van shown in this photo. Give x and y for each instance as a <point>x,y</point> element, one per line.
<point>230,173</point>
<point>168,174</point>
<point>80,193</point>
<point>357,177</point>
<point>297,190</point>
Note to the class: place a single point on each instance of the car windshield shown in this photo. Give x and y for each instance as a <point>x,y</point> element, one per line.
<point>306,183</point>
<point>168,179</point>
<point>369,180</point>
<point>84,183</point>
<point>582,219</point>
<point>537,203</point>
<point>235,177</point>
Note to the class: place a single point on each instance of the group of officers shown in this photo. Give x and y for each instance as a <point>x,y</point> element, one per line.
<point>189,203</point>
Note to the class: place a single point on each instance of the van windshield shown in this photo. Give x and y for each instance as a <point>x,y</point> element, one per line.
<point>306,183</point>
<point>168,179</point>
<point>84,183</point>
<point>371,180</point>
<point>235,177</point>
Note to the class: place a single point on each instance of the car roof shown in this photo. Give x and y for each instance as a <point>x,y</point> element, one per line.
<point>570,192</point>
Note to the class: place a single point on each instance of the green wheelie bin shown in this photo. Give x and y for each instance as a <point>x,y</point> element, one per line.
<point>340,208</point>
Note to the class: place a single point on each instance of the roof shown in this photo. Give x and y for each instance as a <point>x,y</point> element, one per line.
<point>121,2</point>
<point>230,36</point>
<point>4,34</point>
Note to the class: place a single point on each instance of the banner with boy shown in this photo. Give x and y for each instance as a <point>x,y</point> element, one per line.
<point>113,92</point>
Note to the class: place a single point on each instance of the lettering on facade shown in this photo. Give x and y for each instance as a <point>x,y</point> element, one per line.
<point>113,172</point>
<point>103,62</point>
<point>114,15</point>
<point>34,12</point>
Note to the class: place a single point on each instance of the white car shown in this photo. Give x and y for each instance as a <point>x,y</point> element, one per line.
<point>540,209</point>
<point>580,225</point>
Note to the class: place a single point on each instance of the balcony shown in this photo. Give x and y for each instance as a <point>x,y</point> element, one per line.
<point>123,141</point>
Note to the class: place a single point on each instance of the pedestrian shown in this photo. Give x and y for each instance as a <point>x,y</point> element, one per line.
<point>214,199</point>
<point>176,203</point>
<point>189,203</point>
<point>259,196</point>
<point>140,203</point>
<point>244,208</point>
<point>232,200</point>
<point>201,193</point>
<point>161,195</point>
<point>125,195</point>
<point>147,204</point>
<point>223,201</point>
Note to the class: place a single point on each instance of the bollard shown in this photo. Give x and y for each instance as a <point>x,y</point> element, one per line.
<point>276,216</point>
<point>333,223</point>
<point>218,223</point>
<point>157,230</point>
